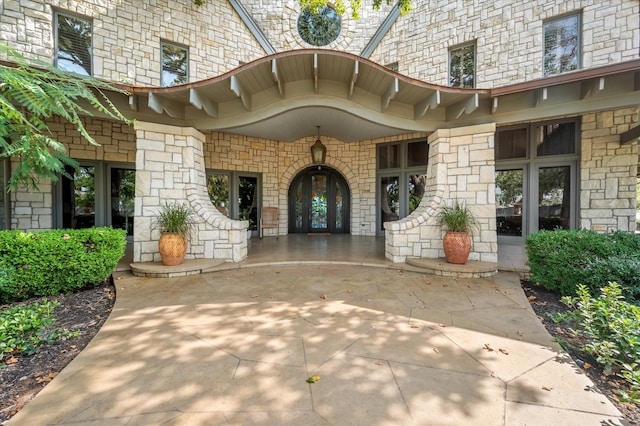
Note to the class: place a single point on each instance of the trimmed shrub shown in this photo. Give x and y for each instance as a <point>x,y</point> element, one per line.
<point>47,263</point>
<point>561,260</point>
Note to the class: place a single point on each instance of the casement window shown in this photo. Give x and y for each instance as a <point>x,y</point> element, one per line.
<point>236,195</point>
<point>536,175</point>
<point>401,170</point>
<point>462,66</point>
<point>175,64</point>
<point>561,45</point>
<point>73,44</point>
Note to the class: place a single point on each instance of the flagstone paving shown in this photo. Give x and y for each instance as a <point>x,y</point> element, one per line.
<point>390,347</point>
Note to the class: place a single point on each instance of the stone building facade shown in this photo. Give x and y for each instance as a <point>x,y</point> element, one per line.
<point>256,96</point>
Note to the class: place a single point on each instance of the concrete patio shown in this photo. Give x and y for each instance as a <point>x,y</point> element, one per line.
<point>390,346</point>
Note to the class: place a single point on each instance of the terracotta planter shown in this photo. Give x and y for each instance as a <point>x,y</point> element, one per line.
<point>173,248</point>
<point>457,246</point>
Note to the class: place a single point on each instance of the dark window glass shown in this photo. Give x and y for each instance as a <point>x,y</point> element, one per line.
<point>509,198</point>
<point>417,154</point>
<point>511,144</point>
<point>73,44</point>
<point>554,206</point>
<point>321,28</point>
<point>562,45</point>
<point>389,156</point>
<point>462,64</point>
<point>175,65</point>
<point>556,139</point>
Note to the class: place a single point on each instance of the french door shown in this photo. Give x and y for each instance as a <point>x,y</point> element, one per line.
<point>319,202</point>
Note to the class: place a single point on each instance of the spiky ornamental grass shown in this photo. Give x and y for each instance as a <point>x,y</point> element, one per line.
<point>457,218</point>
<point>30,95</point>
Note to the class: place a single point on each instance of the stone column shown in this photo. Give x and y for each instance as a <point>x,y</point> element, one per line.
<point>170,168</point>
<point>461,167</point>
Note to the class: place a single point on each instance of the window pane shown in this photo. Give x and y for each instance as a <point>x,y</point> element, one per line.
<point>554,206</point>
<point>417,185</point>
<point>462,63</point>
<point>511,144</point>
<point>84,202</point>
<point>319,202</point>
<point>509,198</point>
<point>73,45</point>
<point>556,139</point>
<point>389,156</point>
<point>338,206</point>
<point>389,202</point>
<point>299,213</point>
<point>123,190</point>
<point>417,154</point>
<point>175,65</point>
<point>248,200</point>
<point>561,45</point>
<point>218,187</point>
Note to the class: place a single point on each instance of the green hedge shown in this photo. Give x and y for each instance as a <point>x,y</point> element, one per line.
<point>561,260</point>
<point>58,261</point>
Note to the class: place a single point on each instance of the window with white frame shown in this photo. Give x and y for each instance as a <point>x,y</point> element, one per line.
<point>73,44</point>
<point>175,64</point>
<point>536,175</point>
<point>561,45</point>
<point>462,66</point>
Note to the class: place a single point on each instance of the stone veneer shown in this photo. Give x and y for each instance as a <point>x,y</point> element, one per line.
<point>170,168</point>
<point>461,167</point>
<point>608,171</point>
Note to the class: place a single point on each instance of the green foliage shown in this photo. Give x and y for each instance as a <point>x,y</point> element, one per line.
<point>47,263</point>
<point>457,218</point>
<point>561,260</point>
<point>175,217</point>
<point>25,328</point>
<point>29,97</point>
<point>612,328</point>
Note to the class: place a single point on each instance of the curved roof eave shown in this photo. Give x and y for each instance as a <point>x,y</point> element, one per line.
<point>284,96</point>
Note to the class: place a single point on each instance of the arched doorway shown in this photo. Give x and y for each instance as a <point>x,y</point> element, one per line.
<point>319,201</point>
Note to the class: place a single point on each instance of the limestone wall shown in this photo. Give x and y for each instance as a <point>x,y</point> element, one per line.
<point>461,167</point>
<point>608,172</point>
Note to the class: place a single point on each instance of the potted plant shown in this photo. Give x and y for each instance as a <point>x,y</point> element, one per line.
<point>174,221</point>
<point>459,222</point>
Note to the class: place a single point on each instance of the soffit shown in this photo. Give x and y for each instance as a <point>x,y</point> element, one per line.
<point>286,95</point>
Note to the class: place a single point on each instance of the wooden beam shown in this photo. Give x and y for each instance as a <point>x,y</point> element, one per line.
<point>160,105</point>
<point>630,135</point>
<point>432,102</point>
<point>589,88</point>
<point>315,72</point>
<point>494,105</point>
<point>354,77</point>
<point>391,93</point>
<point>276,77</point>
<point>540,96</point>
<point>200,101</point>
<point>240,92</point>
<point>133,102</point>
<point>467,107</point>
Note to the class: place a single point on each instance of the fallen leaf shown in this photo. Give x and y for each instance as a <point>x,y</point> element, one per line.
<point>503,351</point>
<point>324,296</point>
<point>547,388</point>
<point>414,326</point>
<point>349,291</point>
<point>46,379</point>
<point>586,366</point>
<point>436,350</point>
<point>442,325</point>
<point>532,298</point>
<point>519,333</point>
<point>11,360</point>
<point>445,285</point>
<point>379,363</point>
<point>313,379</point>
<point>253,296</point>
<point>487,347</point>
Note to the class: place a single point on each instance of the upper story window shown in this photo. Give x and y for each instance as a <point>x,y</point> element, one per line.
<point>462,66</point>
<point>73,49</point>
<point>561,45</point>
<point>175,64</point>
<point>321,28</point>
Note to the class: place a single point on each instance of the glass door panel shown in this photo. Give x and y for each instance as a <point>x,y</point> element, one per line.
<point>389,202</point>
<point>248,200</point>
<point>123,189</point>
<point>338,207</point>
<point>319,202</point>
<point>79,198</point>
<point>417,185</point>
<point>509,198</point>
<point>554,197</point>
<point>218,187</point>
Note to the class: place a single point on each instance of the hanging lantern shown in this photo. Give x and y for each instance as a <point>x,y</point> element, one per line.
<point>318,150</point>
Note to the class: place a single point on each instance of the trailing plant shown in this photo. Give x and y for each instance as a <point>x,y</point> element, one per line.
<point>29,96</point>
<point>47,263</point>
<point>175,217</point>
<point>612,328</point>
<point>25,328</point>
<point>457,218</point>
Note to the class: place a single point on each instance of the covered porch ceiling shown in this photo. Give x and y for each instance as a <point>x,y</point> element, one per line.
<point>286,95</point>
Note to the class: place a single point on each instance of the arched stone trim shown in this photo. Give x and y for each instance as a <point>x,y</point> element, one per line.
<point>461,167</point>
<point>301,164</point>
<point>170,168</point>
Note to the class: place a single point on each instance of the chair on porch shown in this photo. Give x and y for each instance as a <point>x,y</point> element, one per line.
<point>269,219</point>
